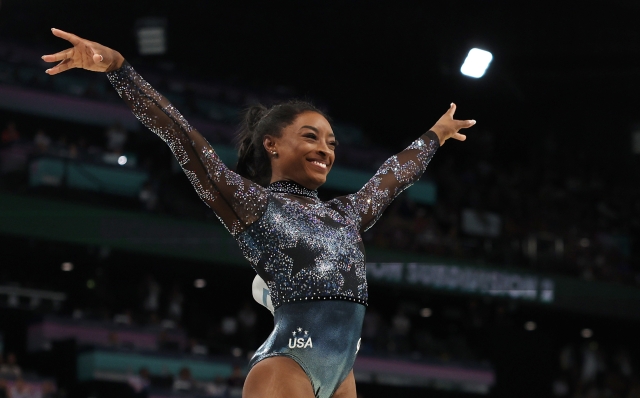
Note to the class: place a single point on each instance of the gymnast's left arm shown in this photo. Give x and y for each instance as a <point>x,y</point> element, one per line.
<point>401,171</point>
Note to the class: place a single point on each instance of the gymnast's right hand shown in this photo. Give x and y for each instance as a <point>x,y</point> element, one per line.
<point>84,54</point>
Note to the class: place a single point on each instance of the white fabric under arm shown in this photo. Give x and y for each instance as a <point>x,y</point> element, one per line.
<point>261,293</point>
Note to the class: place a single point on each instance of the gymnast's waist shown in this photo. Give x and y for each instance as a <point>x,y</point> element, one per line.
<point>334,297</point>
<point>341,316</point>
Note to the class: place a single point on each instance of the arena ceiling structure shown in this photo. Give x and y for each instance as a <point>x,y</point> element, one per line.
<point>568,70</point>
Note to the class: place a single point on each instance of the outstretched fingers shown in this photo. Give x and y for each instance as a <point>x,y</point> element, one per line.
<point>61,56</point>
<point>70,37</point>
<point>61,67</point>
<point>459,137</point>
<point>462,124</point>
<point>448,127</point>
<point>451,111</point>
<point>465,124</point>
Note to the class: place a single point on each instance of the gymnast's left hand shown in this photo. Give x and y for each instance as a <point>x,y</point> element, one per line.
<point>84,54</point>
<point>448,127</point>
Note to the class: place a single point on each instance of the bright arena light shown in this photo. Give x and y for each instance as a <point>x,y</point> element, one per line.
<point>476,63</point>
<point>586,333</point>
<point>122,160</point>
<point>67,266</point>
<point>530,326</point>
<point>200,283</point>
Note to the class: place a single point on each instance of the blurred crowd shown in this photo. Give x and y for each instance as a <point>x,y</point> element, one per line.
<point>17,146</point>
<point>184,384</point>
<point>444,334</point>
<point>568,221</point>
<point>592,370</point>
<point>15,384</point>
<point>447,331</point>
<point>578,226</point>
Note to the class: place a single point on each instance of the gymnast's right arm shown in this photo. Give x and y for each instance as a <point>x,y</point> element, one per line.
<point>237,201</point>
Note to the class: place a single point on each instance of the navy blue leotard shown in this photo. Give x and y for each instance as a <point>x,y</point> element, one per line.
<point>309,252</point>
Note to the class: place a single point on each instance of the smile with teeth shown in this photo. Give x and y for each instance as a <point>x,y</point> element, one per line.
<point>324,166</point>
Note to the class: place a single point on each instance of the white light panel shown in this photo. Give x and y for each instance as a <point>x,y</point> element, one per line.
<point>476,63</point>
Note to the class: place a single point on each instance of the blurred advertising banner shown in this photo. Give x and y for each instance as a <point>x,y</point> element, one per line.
<point>573,294</point>
<point>465,279</point>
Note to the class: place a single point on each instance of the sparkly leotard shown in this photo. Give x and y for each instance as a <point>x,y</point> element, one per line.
<point>309,252</point>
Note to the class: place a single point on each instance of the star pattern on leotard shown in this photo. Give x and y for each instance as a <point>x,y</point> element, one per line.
<point>297,332</point>
<point>302,247</point>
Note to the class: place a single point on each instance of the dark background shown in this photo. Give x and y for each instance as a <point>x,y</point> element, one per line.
<point>565,70</point>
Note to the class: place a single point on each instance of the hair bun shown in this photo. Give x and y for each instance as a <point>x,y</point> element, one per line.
<point>253,116</point>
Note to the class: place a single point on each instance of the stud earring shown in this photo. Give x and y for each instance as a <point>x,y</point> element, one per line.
<point>274,153</point>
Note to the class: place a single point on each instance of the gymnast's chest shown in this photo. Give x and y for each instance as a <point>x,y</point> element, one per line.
<point>307,226</point>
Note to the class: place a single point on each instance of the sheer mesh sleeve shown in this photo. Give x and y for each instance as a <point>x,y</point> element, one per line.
<point>397,173</point>
<point>236,201</point>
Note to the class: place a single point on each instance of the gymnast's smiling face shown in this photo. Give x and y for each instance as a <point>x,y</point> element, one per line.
<point>305,151</point>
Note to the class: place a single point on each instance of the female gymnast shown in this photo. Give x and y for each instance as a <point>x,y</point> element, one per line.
<point>308,252</point>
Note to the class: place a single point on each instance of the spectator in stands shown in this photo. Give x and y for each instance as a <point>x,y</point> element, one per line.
<point>9,135</point>
<point>217,388</point>
<point>174,310</point>
<point>196,348</point>
<point>593,370</point>
<point>593,363</point>
<point>21,390</point>
<point>229,330</point>
<point>11,368</point>
<point>184,382</point>
<point>42,141</point>
<point>140,383</point>
<point>236,380</point>
<point>148,197</point>
<point>150,291</point>
<point>116,138</point>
